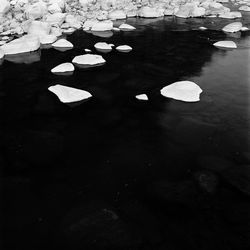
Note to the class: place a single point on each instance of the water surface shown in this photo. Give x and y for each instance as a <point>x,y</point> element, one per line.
<point>113,147</point>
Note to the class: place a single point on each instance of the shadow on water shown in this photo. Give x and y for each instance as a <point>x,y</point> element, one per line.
<point>113,172</point>
<point>26,58</point>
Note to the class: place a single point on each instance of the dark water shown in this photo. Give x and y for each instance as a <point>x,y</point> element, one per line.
<point>118,173</point>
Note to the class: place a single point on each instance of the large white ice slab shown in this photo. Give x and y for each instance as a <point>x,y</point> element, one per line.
<point>68,94</point>
<point>186,91</point>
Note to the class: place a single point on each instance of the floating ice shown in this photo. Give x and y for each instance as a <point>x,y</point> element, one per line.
<point>48,39</point>
<point>103,47</point>
<point>115,29</point>
<point>89,60</point>
<point>102,26</point>
<point>233,27</point>
<point>63,43</point>
<point>226,44</point>
<point>244,29</point>
<point>24,44</point>
<point>183,91</point>
<point>126,26</point>
<point>244,8</point>
<point>68,31</point>
<point>148,12</point>
<point>142,97</point>
<point>124,48</point>
<point>68,94</point>
<point>64,67</point>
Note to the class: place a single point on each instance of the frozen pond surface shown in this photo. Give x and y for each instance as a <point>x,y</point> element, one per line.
<point>158,172</point>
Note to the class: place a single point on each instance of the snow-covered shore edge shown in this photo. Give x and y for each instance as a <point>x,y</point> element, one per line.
<point>43,21</point>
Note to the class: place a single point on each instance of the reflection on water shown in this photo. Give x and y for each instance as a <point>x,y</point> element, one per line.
<point>114,146</point>
<point>62,49</point>
<point>104,34</point>
<point>26,58</point>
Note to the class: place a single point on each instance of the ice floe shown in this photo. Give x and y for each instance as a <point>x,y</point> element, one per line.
<point>68,94</point>
<point>186,91</point>
<point>64,67</point>
<point>226,44</point>
<point>124,48</point>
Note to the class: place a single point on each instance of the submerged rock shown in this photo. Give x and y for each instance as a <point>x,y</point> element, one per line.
<point>27,43</point>
<point>64,67</point>
<point>226,44</point>
<point>68,94</point>
<point>239,177</point>
<point>89,60</point>
<point>142,97</point>
<point>126,26</point>
<point>183,91</point>
<point>63,43</point>
<point>233,27</point>
<point>97,225</point>
<point>124,48</point>
<point>207,181</point>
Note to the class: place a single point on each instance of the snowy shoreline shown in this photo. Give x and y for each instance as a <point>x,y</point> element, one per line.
<point>57,16</point>
<point>37,23</point>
